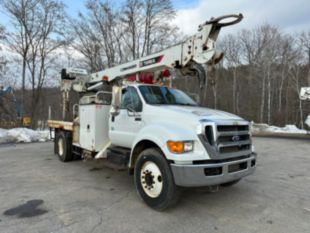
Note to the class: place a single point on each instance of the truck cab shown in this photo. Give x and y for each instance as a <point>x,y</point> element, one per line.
<point>203,146</point>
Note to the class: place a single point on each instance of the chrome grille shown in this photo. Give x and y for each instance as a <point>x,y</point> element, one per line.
<point>233,139</point>
<point>232,128</point>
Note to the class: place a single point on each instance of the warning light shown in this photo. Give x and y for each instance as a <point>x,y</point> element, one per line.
<point>105,78</point>
<point>165,73</point>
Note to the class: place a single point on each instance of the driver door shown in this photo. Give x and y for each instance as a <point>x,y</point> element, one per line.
<point>125,126</point>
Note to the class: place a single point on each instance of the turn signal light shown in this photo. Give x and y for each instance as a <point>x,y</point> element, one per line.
<point>175,147</point>
<point>178,147</point>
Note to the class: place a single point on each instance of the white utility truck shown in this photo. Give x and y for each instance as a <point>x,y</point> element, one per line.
<point>132,118</point>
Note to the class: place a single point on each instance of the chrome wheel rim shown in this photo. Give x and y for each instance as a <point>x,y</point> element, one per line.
<point>151,179</point>
<point>60,146</point>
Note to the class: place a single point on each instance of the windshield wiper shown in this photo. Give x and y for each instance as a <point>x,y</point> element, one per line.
<point>186,104</point>
<point>183,104</point>
<point>163,103</point>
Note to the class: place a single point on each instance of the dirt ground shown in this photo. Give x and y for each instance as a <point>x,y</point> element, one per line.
<point>38,193</point>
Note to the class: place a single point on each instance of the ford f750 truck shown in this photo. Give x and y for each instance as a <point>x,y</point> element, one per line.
<point>131,117</point>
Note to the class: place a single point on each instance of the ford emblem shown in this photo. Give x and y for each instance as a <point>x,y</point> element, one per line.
<point>235,138</point>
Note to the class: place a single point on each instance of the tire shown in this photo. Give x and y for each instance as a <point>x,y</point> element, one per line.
<point>64,145</point>
<point>231,183</point>
<point>55,142</point>
<point>154,181</point>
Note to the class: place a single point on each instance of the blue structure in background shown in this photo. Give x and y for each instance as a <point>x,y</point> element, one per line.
<point>9,90</point>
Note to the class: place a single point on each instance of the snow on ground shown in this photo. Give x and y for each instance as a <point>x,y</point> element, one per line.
<point>288,129</point>
<point>23,135</point>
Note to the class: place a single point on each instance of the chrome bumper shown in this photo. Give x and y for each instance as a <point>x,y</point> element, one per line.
<point>213,173</point>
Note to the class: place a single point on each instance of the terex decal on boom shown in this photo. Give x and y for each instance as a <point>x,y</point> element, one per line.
<point>151,61</point>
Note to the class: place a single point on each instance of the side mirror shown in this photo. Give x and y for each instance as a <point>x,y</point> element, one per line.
<point>116,100</point>
<point>131,112</point>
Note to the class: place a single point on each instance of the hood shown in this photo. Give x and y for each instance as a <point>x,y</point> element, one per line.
<point>199,112</point>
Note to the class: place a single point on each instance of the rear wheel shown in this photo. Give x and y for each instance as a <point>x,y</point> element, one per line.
<point>154,181</point>
<point>63,145</point>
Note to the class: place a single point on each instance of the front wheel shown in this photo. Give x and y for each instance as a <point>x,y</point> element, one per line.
<point>154,180</point>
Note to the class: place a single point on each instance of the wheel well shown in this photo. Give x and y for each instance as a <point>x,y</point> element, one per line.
<point>66,132</point>
<point>141,146</point>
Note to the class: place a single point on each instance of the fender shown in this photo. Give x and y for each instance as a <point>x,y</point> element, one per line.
<point>160,133</point>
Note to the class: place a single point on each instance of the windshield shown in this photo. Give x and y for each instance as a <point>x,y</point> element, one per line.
<point>165,95</point>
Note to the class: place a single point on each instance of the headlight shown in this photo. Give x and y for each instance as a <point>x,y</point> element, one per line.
<point>179,147</point>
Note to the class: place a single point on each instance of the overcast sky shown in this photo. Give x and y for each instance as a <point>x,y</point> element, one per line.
<point>289,15</point>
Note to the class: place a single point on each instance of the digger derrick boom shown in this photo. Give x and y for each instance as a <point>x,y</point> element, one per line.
<point>199,49</point>
<point>188,57</point>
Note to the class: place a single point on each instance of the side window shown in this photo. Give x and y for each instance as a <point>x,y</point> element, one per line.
<point>125,98</point>
<point>131,99</point>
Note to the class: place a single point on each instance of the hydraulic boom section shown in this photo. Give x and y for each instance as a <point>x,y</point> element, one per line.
<point>187,56</point>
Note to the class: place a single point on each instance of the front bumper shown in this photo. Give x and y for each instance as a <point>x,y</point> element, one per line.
<point>213,173</point>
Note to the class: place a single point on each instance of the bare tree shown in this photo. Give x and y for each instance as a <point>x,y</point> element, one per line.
<point>156,15</point>
<point>305,44</point>
<point>3,61</point>
<point>103,19</point>
<point>270,57</point>
<point>108,35</point>
<point>49,19</point>
<point>287,55</point>
<point>147,26</point>
<point>131,18</point>
<point>87,42</point>
<point>99,35</point>
<point>37,27</point>
<point>294,71</point>
<point>22,17</point>
<point>251,49</point>
<point>231,47</point>
<point>259,50</point>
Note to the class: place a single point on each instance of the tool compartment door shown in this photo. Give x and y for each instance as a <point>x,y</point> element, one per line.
<point>94,126</point>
